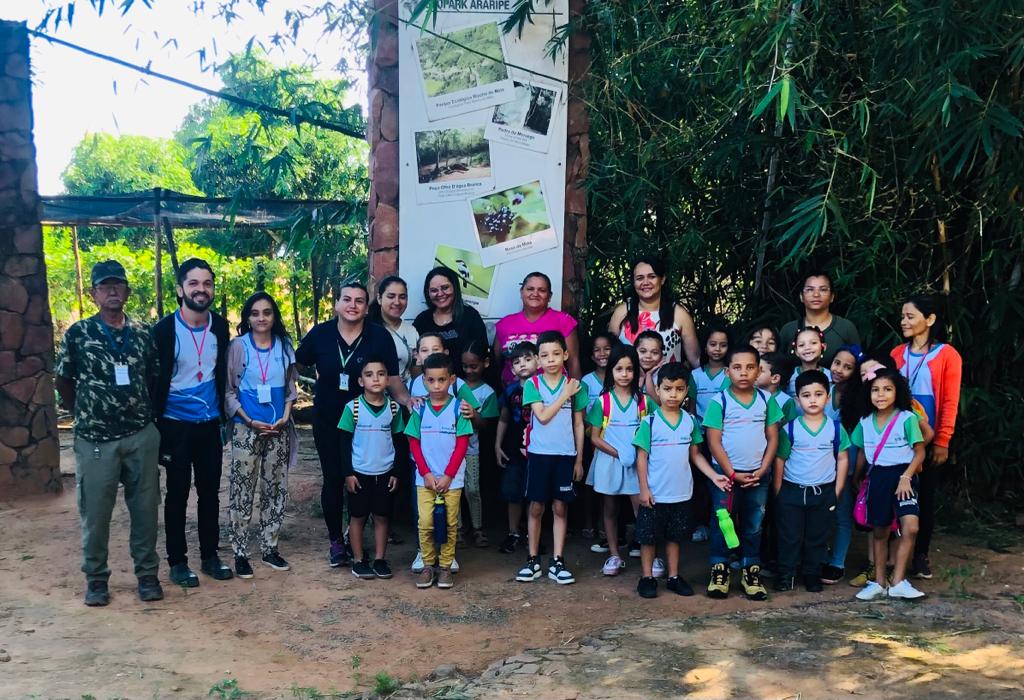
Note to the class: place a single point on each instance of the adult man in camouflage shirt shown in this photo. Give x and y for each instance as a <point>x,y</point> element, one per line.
<point>105,370</point>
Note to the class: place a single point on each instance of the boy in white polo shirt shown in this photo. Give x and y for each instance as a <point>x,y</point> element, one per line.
<point>810,471</point>
<point>667,442</point>
<point>368,466</point>
<point>438,440</point>
<point>554,454</point>
<point>743,435</point>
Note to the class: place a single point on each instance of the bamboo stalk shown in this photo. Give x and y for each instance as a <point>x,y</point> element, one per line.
<point>78,272</point>
<point>940,225</point>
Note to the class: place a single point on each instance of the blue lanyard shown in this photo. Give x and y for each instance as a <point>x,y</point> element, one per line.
<point>118,348</point>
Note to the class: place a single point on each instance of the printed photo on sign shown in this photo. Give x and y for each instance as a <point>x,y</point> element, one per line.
<point>456,81</point>
<point>525,121</point>
<point>513,223</point>
<point>475,280</point>
<point>452,164</point>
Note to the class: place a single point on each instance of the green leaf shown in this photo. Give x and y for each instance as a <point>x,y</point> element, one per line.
<point>766,100</point>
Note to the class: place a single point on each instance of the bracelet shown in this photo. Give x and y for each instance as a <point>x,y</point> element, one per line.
<point>904,476</point>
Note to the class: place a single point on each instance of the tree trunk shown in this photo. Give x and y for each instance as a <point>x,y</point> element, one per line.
<point>78,272</point>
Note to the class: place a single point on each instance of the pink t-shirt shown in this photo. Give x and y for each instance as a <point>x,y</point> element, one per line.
<point>515,328</point>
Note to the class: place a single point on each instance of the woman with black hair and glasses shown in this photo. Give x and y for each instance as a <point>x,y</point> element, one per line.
<point>447,315</point>
<point>258,400</point>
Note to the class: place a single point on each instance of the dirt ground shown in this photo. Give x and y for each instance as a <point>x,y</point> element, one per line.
<point>282,634</point>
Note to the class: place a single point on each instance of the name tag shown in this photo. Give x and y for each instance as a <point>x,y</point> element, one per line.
<point>343,381</point>
<point>121,375</point>
<point>263,393</point>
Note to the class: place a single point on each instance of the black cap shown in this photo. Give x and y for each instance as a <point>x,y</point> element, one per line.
<point>108,270</point>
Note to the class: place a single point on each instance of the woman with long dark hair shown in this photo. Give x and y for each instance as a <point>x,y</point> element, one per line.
<point>258,400</point>
<point>933,370</point>
<point>650,306</point>
<point>387,309</point>
<point>447,315</point>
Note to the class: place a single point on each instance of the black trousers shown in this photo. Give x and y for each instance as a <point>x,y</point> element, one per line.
<point>332,490</point>
<point>804,519</point>
<point>188,449</point>
<point>927,485</point>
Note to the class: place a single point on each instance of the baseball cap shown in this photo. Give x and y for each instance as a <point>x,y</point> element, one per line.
<point>108,270</point>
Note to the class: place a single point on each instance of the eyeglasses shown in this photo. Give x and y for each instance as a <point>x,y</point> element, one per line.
<point>115,288</point>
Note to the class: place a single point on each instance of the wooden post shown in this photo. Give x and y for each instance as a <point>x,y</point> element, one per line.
<point>158,273</point>
<point>171,248</point>
<point>78,271</point>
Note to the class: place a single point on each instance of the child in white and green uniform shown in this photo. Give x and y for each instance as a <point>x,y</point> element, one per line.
<point>475,361</point>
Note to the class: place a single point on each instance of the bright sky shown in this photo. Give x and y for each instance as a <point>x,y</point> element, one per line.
<point>74,94</point>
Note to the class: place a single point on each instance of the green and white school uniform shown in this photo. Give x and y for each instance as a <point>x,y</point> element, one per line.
<point>743,426</point>
<point>608,475</point>
<point>668,454</point>
<point>594,387</point>
<point>555,437</point>
<point>437,430</point>
<point>486,406</point>
<point>704,384</point>
<point>787,405</point>
<point>898,449</point>
<point>373,449</point>
<point>811,455</point>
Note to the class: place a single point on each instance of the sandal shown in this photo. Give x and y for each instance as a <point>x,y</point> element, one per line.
<point>481,539</point>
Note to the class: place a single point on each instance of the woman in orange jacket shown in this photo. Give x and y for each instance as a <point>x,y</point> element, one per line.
<point>933,370</point>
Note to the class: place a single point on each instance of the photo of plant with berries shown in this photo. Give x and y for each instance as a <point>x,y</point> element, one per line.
<point>509,214</point>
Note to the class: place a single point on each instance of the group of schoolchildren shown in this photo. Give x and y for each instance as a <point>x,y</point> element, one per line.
<point>761,452</point>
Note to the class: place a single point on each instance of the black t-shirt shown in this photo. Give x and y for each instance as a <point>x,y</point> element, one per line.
<point>519,419</point>
<point>323,348</point>
<point>457,334</point>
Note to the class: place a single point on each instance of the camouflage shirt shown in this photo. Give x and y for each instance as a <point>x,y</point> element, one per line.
<point>88,356</point>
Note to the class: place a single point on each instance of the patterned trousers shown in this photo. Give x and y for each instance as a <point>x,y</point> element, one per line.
<point>262,460</point>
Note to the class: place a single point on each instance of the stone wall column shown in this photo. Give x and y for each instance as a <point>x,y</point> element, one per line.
<point>29,445</point>
<point>382,133</point>
<point>577,163</point>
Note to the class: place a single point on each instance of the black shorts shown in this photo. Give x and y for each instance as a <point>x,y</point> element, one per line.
<point>372,496</point>
<point>882,501</point>
<point>513,481</point>
<point>549,477</point>
<point>665,522</point>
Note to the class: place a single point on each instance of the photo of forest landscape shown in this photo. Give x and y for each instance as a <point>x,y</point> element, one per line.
<point>509,214</point>
<point>449,68</point>
<point>443,155</point>
<point>530,110</point>
<point>475,279</point>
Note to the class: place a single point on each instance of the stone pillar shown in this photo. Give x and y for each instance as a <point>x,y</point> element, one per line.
<point>382,133</point>
<point>29,446</point>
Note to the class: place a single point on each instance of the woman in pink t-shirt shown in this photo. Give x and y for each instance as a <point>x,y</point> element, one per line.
<point>535,318</point>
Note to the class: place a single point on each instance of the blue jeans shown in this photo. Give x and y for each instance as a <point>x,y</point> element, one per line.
<point>844,516</point>
<point>748,505</point>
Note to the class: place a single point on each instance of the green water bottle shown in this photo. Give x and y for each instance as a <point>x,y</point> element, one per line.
<point>728,529</point>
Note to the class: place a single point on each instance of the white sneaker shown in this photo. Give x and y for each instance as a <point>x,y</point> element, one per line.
<point>417,563</point>
<point>612,566</point>
<point>871,591</point>
<point>904,589</point>
<point>658,567</point>
<point>455,567</point>
<point>700,534</point>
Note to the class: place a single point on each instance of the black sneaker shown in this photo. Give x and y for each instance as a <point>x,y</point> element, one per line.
<point>921,567</point>
<point>216,569</point>
<point>647,587</point>
<point>558,573</point>
<point>361,569</point>
<point>812,584</point>
<point>183,576</point>
<point>783,583</point>
<point>276,561</point>
<point>508,545</point>
<point>679,586</point>
<point>150,589</point>
<point>339,555</point>
<point>634,549</point>
<point>243,569</point>
<point>97,594</point>
<point>381,569</point>
<point>750,579</point>
<point>530,571</point>
<point>832,574</point>
<point>599,547</point>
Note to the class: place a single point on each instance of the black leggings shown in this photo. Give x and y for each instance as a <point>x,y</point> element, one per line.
<point>927,485</point>
<point>191,451</point>
<point>332,492</point>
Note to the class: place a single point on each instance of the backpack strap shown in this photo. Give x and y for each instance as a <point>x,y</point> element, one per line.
<point>394,408</point>
<point>835,439</point>
<point>722,394</point>
<point>641,406</point>
<point>789,429</point>
<point>606,411</point>
<point>355,411</point>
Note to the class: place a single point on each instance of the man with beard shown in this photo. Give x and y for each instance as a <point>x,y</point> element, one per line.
<point>192,345</point>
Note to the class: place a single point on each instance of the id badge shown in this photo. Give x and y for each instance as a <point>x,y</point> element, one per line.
<point>121,375</point>
<point>263,393</point>
<point>343,381</point>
